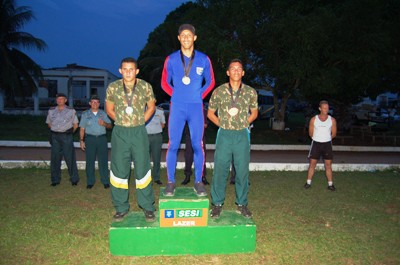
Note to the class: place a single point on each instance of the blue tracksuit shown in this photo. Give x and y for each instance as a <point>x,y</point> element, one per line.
<point>186,106</point>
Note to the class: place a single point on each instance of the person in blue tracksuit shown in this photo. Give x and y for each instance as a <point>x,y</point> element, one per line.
<point>187,77</point>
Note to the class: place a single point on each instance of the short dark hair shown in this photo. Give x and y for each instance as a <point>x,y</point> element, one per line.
<point>186,27</point>
<point>322,102</point>
<point>236,60</point>
<point>58,95</point>
<point>94,97</point>
<point>129,60</point>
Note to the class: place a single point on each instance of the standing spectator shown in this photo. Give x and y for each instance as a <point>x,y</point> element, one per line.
<point>126,102</point>
<point>63,122</point>
<point>154,128</point>
<point>322,130</point>
<point>93,142</point>
<point>187,77</point>
<point>233,101</point>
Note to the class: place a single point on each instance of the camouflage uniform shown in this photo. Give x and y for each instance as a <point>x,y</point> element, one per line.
<point>129,142</point>
<point>233,141</point>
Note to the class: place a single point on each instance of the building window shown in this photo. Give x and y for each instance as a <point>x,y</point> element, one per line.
<point>95,87</point>
<point>79,89</point>
<point>52,87</point>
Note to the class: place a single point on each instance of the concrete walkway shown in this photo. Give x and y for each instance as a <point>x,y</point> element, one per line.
<point>15,154</point>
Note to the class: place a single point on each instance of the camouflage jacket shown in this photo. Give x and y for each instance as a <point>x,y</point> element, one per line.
<point>221,101</point>
<point>143,93</point>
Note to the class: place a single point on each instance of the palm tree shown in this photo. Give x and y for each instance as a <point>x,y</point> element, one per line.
<point>16,68</point>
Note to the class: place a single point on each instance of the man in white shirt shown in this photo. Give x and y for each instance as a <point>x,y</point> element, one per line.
<point>322,130</point>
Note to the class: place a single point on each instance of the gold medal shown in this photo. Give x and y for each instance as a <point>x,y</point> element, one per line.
<point>186,80</point>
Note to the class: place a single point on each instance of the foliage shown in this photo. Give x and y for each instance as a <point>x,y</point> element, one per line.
<point>333,50</point>
<point>17,70</point>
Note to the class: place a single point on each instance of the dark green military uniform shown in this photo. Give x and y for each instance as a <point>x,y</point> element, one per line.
<point>96,145</point>
<point>129,142</point>
<point>233,141</point>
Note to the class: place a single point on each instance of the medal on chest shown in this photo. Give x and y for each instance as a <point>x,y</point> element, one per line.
<point>129,110</point>
<point>186,80</point>
<point>186,70</point>
<point>234,110</point>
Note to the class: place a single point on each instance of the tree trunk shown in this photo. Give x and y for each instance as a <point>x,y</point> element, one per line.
<point>278,125</point>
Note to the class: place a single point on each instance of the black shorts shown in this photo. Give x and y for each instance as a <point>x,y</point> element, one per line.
<point>323,150</point>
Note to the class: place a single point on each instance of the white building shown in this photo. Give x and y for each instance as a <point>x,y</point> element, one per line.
<point>79,83</point>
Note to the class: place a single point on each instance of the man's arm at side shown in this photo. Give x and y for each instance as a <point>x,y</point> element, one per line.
<point>212,117</point>
<point>334,128</point>
<point>210,80</point>
<point>166,78</point>
<point>151,107</point>
<point>81,138</point>
<point>110,110</point>
<point>253,115</point>
<point>311,127</point>
<point>75,126</point>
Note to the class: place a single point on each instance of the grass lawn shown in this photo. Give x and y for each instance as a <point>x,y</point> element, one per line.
<point>358,224</point>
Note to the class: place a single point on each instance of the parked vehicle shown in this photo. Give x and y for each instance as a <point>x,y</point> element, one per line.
<point>380,110</point>
<point>265,111</point>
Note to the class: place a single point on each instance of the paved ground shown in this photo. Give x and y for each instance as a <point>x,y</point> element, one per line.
<point>12,156</point>
<point>285,156</point>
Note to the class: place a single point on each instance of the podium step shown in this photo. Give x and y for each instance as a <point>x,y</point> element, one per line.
<point>231,233</point>
<point>185,208</point>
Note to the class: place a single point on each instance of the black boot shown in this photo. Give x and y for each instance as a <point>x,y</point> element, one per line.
<point>204,180</point>
<point>186,180</point>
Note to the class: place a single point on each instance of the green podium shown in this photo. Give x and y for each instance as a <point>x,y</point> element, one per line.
<point>182,227</point>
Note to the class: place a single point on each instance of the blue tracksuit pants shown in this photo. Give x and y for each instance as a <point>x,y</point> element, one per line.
<point>193,114</point>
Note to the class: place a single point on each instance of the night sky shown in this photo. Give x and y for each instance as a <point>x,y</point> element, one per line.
<point>93,33</point>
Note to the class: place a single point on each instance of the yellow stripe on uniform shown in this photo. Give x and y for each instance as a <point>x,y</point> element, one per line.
<point>144,182</point>
<point>117,182</point>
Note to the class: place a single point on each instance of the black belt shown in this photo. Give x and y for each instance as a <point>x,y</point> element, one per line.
<point>155,133</point>
<point>69,131</point>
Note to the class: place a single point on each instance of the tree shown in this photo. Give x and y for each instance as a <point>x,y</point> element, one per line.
<point>333,50</point>
<point>16,68</point>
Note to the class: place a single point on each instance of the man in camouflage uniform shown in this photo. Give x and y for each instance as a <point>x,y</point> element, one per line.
<point>63,122</point>
<point>126,101</point>
<point>233,101</point>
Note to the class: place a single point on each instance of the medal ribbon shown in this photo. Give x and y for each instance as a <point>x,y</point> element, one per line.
<point>234,100</point>
<point>187,70</point>
<point>129,100</point>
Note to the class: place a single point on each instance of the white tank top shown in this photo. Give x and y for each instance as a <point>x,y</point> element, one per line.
<point>322,130</point>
